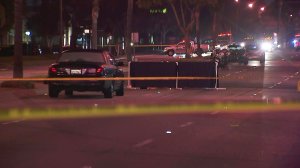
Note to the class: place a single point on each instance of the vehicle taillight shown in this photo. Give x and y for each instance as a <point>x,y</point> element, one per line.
<point>99,70</point>
<point>53,70</point>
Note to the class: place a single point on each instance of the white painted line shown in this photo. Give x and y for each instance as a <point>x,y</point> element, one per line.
<point>143,143</point>
<point>215,112</point>
<point>215,88</point>
<point>168,132</point>
<point>186,124</point>
<point>12,122</point>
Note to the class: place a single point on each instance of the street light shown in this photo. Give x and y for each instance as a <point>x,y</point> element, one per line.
<point>236,1</point>
<point>250,5</point>
<point>61,29</point>
<point>262,9</point>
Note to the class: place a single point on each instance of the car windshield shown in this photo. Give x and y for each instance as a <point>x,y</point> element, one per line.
<point>235,47</point>
<point>251,47</point>
<point>82,57</point>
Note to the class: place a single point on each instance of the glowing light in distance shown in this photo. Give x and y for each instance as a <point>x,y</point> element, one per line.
<point>250,5</point>
<point>295,41</point>
<point>243,44</point>
<point>266,46</point>
<point>28,33</point>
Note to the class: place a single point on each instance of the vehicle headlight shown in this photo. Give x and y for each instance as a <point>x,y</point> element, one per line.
<point>242,44</point>
<point>266,46</point>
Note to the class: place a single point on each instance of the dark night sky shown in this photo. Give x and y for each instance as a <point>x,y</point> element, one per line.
<point>113,15</point>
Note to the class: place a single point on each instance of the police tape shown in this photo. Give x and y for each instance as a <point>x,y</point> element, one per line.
<point>107,79</point>
<point>46,113</point>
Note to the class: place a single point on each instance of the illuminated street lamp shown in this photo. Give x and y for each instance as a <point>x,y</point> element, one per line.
<point>262,9</point>
<point>236,1</point>
<point>28,33</point>
<point>250,5</point>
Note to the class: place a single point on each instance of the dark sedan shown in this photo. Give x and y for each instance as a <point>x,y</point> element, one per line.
<point>86,64</point>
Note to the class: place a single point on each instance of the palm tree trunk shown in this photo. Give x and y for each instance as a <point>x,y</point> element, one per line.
<point>18,53</point>
<point>128,30</point>
<point>197,17</point>
<point>95,14</point>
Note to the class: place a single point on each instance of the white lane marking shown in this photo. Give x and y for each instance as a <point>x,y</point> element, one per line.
<point>12,122</point>
<point>87,167</point>
<point>186,124</point>
<point>215,112</point>
<point>143,143</point>
<point>168,132</point>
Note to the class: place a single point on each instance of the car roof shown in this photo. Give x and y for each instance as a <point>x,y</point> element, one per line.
<point>85,50</point>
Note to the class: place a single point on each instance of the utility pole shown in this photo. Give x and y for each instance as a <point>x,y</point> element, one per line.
<point>128,30</point>
<point>95,15</point>
<point>61,29</point>
<point>18,50</point>
<point>279,31</point>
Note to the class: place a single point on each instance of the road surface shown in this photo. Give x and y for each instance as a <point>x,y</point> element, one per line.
<point>249,138</point>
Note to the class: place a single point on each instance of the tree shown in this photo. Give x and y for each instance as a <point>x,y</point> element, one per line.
<point>6,19</point>
<point>95,15</point>
<point>128,30</point>
<point>45,22</point>
<point>186,13</point>
<point>18,58</point>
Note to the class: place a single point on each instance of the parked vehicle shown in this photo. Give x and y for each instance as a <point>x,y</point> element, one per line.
<point>83,64</point>
<point>234,53</point>
<point>180,48</point>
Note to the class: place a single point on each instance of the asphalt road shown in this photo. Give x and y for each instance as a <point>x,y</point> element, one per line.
<point>247,138</point>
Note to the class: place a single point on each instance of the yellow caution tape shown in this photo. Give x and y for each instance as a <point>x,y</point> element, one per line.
<point>108,79</point>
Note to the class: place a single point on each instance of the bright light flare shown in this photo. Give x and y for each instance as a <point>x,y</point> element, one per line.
<point>250,5</point>
<point>262,9</point>
<point>242,44</point>
<point>266,46</point>
<point>28,33</point>
<point>295,41</point>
